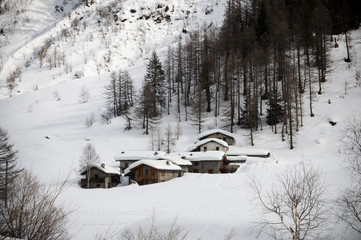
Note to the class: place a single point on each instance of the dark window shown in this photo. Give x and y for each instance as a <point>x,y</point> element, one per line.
<point>98,185</point>
<point>210,171</point>
<point>205,149</point>
<point>108,184</point>
<point>195,163</point>
<point>224,138</point>
<point>126,165</point>
<point>217,148</point>
<point>96,176</point>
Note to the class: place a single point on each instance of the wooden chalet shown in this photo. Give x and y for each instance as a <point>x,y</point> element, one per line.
<point>152,171</point>
<point>219,134</point>
<point>101,176</point>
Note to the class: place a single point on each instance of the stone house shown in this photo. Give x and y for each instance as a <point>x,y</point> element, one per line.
<point>101,176</point>
<point>210,144</point>
<point>219,134</point>
<point>152,171</point>
<point>205,162</point>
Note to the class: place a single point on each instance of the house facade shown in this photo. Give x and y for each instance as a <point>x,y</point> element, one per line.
<point>152,171</point>
<point>218,134</point>
<point>101,176</point>
<point>210,144</point>
<point>205,162</point>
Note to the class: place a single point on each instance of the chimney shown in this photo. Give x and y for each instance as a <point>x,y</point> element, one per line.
<point>168,162</point>
<point>102,165</point>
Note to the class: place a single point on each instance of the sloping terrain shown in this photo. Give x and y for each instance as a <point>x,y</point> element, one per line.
<point>111,35</point>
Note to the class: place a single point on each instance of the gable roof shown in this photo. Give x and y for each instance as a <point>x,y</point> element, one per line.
<point>104,168</point>
<point>151,155</point>
<point>157,164</point>
<point>214,131</point>
<point>248,152</point>
<point>138,155</point>
<point>203,156</point>
<point>208,140</point>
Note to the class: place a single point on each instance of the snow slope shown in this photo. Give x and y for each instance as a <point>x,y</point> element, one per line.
<point>50,134</point>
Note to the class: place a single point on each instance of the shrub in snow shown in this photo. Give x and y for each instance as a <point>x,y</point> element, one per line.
<point>79,74</point>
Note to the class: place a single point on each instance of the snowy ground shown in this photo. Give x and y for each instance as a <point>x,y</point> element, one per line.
<point>50,135</point>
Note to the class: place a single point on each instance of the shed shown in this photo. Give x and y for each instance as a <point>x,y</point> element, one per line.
<point>219,134</point>
<point>150,171</point>
<point>249,152</point>
<point>101,176</point>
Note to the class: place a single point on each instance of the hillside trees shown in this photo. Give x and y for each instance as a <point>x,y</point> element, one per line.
<point>119,93</point>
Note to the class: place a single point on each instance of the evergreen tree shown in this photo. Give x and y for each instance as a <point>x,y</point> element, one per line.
<point>156,77</point>
<point>147,111</point>
<point>275,111</point>
<point>8,169</point>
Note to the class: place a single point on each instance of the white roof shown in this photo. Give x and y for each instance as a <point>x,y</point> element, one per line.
<point>106,169</point>
<point>154,155</point>
<point>202,156</point>
<point>237,158</point>
<point>213,131</point>
<point>138,155</point>
<point>207,140</point>
<point>175,159</point>
<point>157,164</point>
<point>248,152</point>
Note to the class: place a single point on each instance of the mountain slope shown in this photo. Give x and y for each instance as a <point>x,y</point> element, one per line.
<point>50,134</point>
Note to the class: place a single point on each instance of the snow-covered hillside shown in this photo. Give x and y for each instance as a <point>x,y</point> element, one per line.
<point>114,34</point>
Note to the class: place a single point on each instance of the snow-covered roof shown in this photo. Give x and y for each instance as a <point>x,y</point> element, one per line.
<point>202,156</point>
<point>157,164</point>
<point>152,155</point>
<point>248,152</point>
<point>138,155</point>
<point>214,131</point>
<point>207,140</point>
<point>106,169</point>
<point>236,158</point>
<point>175,159</point>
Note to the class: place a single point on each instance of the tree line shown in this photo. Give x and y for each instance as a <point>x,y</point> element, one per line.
<point>263,61</point>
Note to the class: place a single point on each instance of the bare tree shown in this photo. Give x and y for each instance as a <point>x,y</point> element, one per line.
<point>84,95</point>
<point>349,203</point>
<point>297,201</point>
<point>169,138</point>
<point>87,160</point>
<point>31,212</point>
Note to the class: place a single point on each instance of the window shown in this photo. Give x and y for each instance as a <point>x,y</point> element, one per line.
<point>195,163</point>
<point>162,173</point>
<point>224,139</point>
<point>126,165</point>
<point>108,184</point>
<point>210,171</point>
<point>96,176</point>
<point>204,149</point>
<point>98,185</point>
<point>217,148</point>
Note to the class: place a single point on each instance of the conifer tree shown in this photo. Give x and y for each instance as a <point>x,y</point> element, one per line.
<point>8,169</point>
<point>156,77</point>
